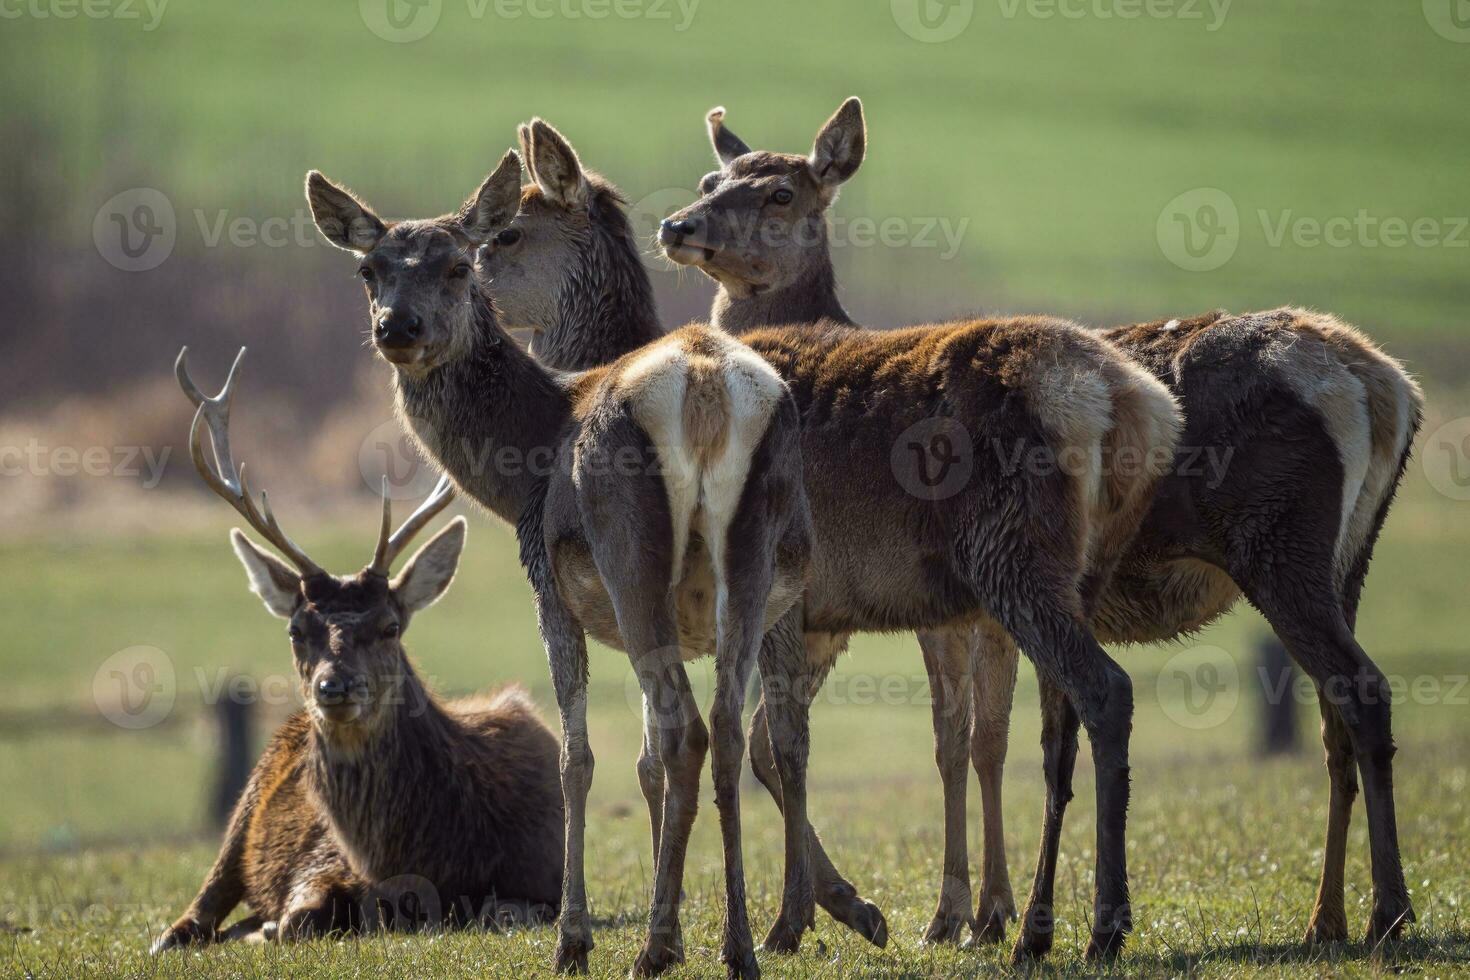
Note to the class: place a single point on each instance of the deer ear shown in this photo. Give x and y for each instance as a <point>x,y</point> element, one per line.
<point>278,586</point>
<point>492,206</point>
<point>523,135</point>
<point>727,145</point>
<point>344,220</point>
<point>555,167</point>
<point>839,147</point>
<point>431,569</point>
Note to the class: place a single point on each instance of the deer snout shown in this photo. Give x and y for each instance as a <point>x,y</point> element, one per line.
<point>396,330</point>
<point>331,690</point>
<point>339,698</point>
<point>685,240</point>
<point>670,230</point>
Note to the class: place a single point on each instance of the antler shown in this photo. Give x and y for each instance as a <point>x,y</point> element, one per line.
<point>229,482</point>
<point>391,546</point>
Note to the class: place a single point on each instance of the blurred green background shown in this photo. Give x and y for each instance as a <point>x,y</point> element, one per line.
<point>1109,160</point>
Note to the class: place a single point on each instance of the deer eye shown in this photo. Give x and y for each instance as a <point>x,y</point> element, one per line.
<point>782,196</point>
<point>391,630</point>
<point>459,271</point>
<point>508,236</point>
<point>294,632</point>
<point>366,274</point>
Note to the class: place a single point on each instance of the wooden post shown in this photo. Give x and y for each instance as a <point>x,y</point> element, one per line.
<point>1278,677</point>
<point>236,720</point>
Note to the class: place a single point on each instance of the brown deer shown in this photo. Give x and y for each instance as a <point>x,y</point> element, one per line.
<point>567,270</point>
<point>378,793</point>
<point>1018,547</point>
<point>658,503</point>
<point>1315,425</point>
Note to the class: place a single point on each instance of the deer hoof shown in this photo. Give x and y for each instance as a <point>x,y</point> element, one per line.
<point>1105,946</point>
<point>946,928</point>
<point>1387,920</point>
<point>654,960</point>
<point>1327,928</point>
<point>872,926</point>
<point>185,932</point>
<point>741,965</point>
<point>571,954</point>
<point>783,938</point>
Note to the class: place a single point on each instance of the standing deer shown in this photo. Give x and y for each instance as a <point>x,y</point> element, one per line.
<point>377,791</point>
<point>658,503</point>
<point>1019,548</point>
<point>567,268</point>
<point>1313,420</point>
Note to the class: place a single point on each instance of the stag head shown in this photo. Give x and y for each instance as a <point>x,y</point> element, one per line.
<point>346,632</point>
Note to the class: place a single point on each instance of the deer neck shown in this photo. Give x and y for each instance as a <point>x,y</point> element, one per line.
<point>376,793</point>
<point>605,307</point>
<point>812,296</point>
<point>492,419</point>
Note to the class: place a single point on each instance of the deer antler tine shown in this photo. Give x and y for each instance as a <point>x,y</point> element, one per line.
<point>196,451</point>
<point>181,371</point>
<point>439,498</point>
<point>225,478</point>
<point>227,393</point>
<point>380,553</point>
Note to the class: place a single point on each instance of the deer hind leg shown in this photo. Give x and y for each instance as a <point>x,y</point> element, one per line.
<point>682,742</point>
<point>1074,668</point>
<point>1316,634</point>
<point>787,686</point>
<point>745,559</point>
<point>1328,923</point>
<point>834,893</point>
<point>994,672</point>
<point>651,777</point>
<point>1059,725</point>
<point>947,659</point>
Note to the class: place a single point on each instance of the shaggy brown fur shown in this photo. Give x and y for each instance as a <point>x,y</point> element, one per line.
<point>378,804</point>
<point>1298,430</point>
<point>1038,401</point>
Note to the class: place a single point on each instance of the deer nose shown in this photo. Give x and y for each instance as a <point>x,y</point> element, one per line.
<point>331,690</point>
<point>671,230</point>
<point>399,329</point>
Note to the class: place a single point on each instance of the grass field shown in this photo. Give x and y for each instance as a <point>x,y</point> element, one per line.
<point>1050,143</point>
<point>1093,164</point>
<point>101,841</point>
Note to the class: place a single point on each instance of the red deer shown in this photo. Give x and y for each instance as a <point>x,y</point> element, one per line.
<point>1311,425</point>
<point>1017,547</point>
<point>658,503</point>
<point>378,792</point>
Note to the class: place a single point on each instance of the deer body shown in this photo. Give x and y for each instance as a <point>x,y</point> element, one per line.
<point>378,790</point>
<point>885,558</point>
<point>1312,426</point>
<point>672,473</point>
